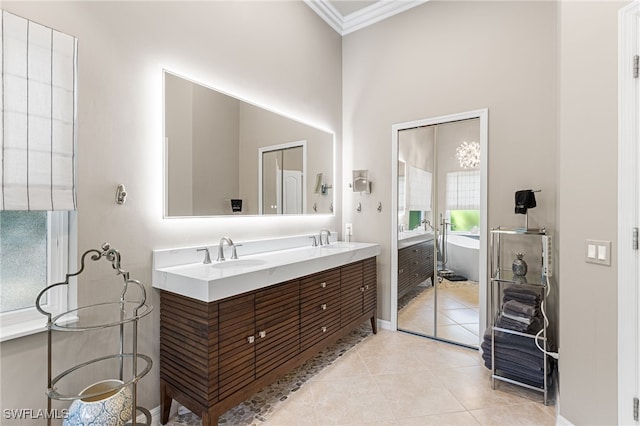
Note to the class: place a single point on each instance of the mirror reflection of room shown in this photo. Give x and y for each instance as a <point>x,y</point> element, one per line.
<point>282,179</point>
<point>438,231</point>
<point>210,169</point>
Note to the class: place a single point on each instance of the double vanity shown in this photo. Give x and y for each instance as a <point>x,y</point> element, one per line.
<point>230,327</point>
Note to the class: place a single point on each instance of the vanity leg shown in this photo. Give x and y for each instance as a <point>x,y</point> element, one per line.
<point>374,324</point>
<point>165,403</point>
<point>210,418</point>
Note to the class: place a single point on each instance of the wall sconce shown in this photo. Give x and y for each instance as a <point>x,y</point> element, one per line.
<point>361,182</point>
<point>321,187</point>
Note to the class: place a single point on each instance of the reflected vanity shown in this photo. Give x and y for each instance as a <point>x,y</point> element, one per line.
<point>219,148</point>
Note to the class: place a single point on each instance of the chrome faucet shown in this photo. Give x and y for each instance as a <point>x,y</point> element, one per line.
<point>234,254</point>
<point>314,243</point>
<point>426,223</point>
<point>207,255</point>
<point>323,232</point>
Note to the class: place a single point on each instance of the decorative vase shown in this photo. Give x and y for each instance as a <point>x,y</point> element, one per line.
<point>111,407</point>
<point>519,266</point>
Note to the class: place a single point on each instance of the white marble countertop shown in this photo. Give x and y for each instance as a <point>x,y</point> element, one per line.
<point>409,238</point>
<point>219,280</point>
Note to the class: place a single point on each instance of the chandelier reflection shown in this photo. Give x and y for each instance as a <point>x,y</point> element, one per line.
<point>468,154</point>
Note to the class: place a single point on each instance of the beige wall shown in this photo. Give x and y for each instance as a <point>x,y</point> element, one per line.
<point>587,187</point>
<point>279,54</point>
<point>443,58</point>
<point>546,72</point>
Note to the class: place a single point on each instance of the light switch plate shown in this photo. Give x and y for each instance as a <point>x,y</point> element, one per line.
<point>598,252</point>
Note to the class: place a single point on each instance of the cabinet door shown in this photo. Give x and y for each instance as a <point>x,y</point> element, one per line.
<point>370,285</point>
<point>189,347</point>
<point>236,344</point>
<point>319,307</point>
<point>351,289</point>
<point>427,256</point>
<point>277,326</point>
<point>404,274</point>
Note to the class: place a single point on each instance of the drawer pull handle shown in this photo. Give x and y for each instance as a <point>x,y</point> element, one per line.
<point>401,270</point>
<point>324,329</point>
<point>415,250</point>
<point>415,275</point>
<point>415,262</point>
<point>366,287</point>
<point>262,334</point>
<point>362,289</point>
<point>323,284</point>
<point>323,306</point>
<point>251,339</point>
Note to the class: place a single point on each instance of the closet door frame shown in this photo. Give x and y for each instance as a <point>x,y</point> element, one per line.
<point>628,213</point>
<point>483,116</point>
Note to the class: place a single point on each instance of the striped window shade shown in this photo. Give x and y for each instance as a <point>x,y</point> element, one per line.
<point>37,149</point>
<point>463,190</point>
<point>419,189</point>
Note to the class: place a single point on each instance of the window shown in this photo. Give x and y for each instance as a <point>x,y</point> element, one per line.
<point>463,201</point>
<point>34,253</point>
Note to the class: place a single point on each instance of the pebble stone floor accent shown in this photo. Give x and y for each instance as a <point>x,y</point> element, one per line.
<point>255,410</point>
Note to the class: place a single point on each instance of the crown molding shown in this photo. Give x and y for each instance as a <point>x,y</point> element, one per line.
<point>376,12</point>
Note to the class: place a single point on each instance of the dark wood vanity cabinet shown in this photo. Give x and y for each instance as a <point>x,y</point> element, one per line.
<point>215,355</point>
<point>319,307</point>
<point>415,265</point>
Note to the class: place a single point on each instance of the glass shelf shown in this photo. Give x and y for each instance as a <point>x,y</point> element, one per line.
<point>519,231</point>
<point>110,365</point>
<point>98,316</point>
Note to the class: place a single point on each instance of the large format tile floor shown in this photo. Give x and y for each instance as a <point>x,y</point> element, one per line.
<point>395,378</point>
<point>458,312</point>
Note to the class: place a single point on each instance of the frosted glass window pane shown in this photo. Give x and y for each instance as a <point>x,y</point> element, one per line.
<point>23,258</point>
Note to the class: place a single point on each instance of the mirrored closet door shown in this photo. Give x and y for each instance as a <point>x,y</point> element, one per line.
<point>438,235</point>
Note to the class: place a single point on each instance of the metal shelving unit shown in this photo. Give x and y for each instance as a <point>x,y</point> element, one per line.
<point>501,277</point>
<point>120,313</point>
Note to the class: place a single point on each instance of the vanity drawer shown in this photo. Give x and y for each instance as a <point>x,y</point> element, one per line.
<point>319,284</point>
<point>319,324</point>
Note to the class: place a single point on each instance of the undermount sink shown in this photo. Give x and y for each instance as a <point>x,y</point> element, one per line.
<point>238,263</point>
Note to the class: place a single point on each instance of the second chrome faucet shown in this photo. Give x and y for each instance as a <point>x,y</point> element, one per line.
<point>234,254</point>
<point>327,234</point>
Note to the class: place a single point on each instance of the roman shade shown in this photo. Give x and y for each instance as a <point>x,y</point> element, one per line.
<point>463,190</point>
<point>419,189</point>
<point>38,133</point>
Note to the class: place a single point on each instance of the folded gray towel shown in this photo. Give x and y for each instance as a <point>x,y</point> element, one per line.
<point>518,318</point>
<point>518,308</point>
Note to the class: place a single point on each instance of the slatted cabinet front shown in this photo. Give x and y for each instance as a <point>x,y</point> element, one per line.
<point>214,355</point>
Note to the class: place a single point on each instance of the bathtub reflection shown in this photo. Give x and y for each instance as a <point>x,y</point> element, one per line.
<point>463,255</point>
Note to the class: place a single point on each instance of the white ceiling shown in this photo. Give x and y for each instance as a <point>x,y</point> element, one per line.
<point>347,16</point>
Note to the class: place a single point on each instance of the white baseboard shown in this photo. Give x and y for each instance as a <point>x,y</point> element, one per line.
<point>385,325</point>
<point>155,415</point>
<point>561,421</point>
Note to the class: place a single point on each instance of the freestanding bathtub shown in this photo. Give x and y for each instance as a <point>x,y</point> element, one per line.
<point>463,255</point>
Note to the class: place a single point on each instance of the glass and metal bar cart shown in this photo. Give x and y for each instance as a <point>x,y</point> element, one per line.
<point>127,366</point>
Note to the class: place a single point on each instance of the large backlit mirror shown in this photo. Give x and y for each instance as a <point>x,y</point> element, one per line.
<point>224,156</point>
